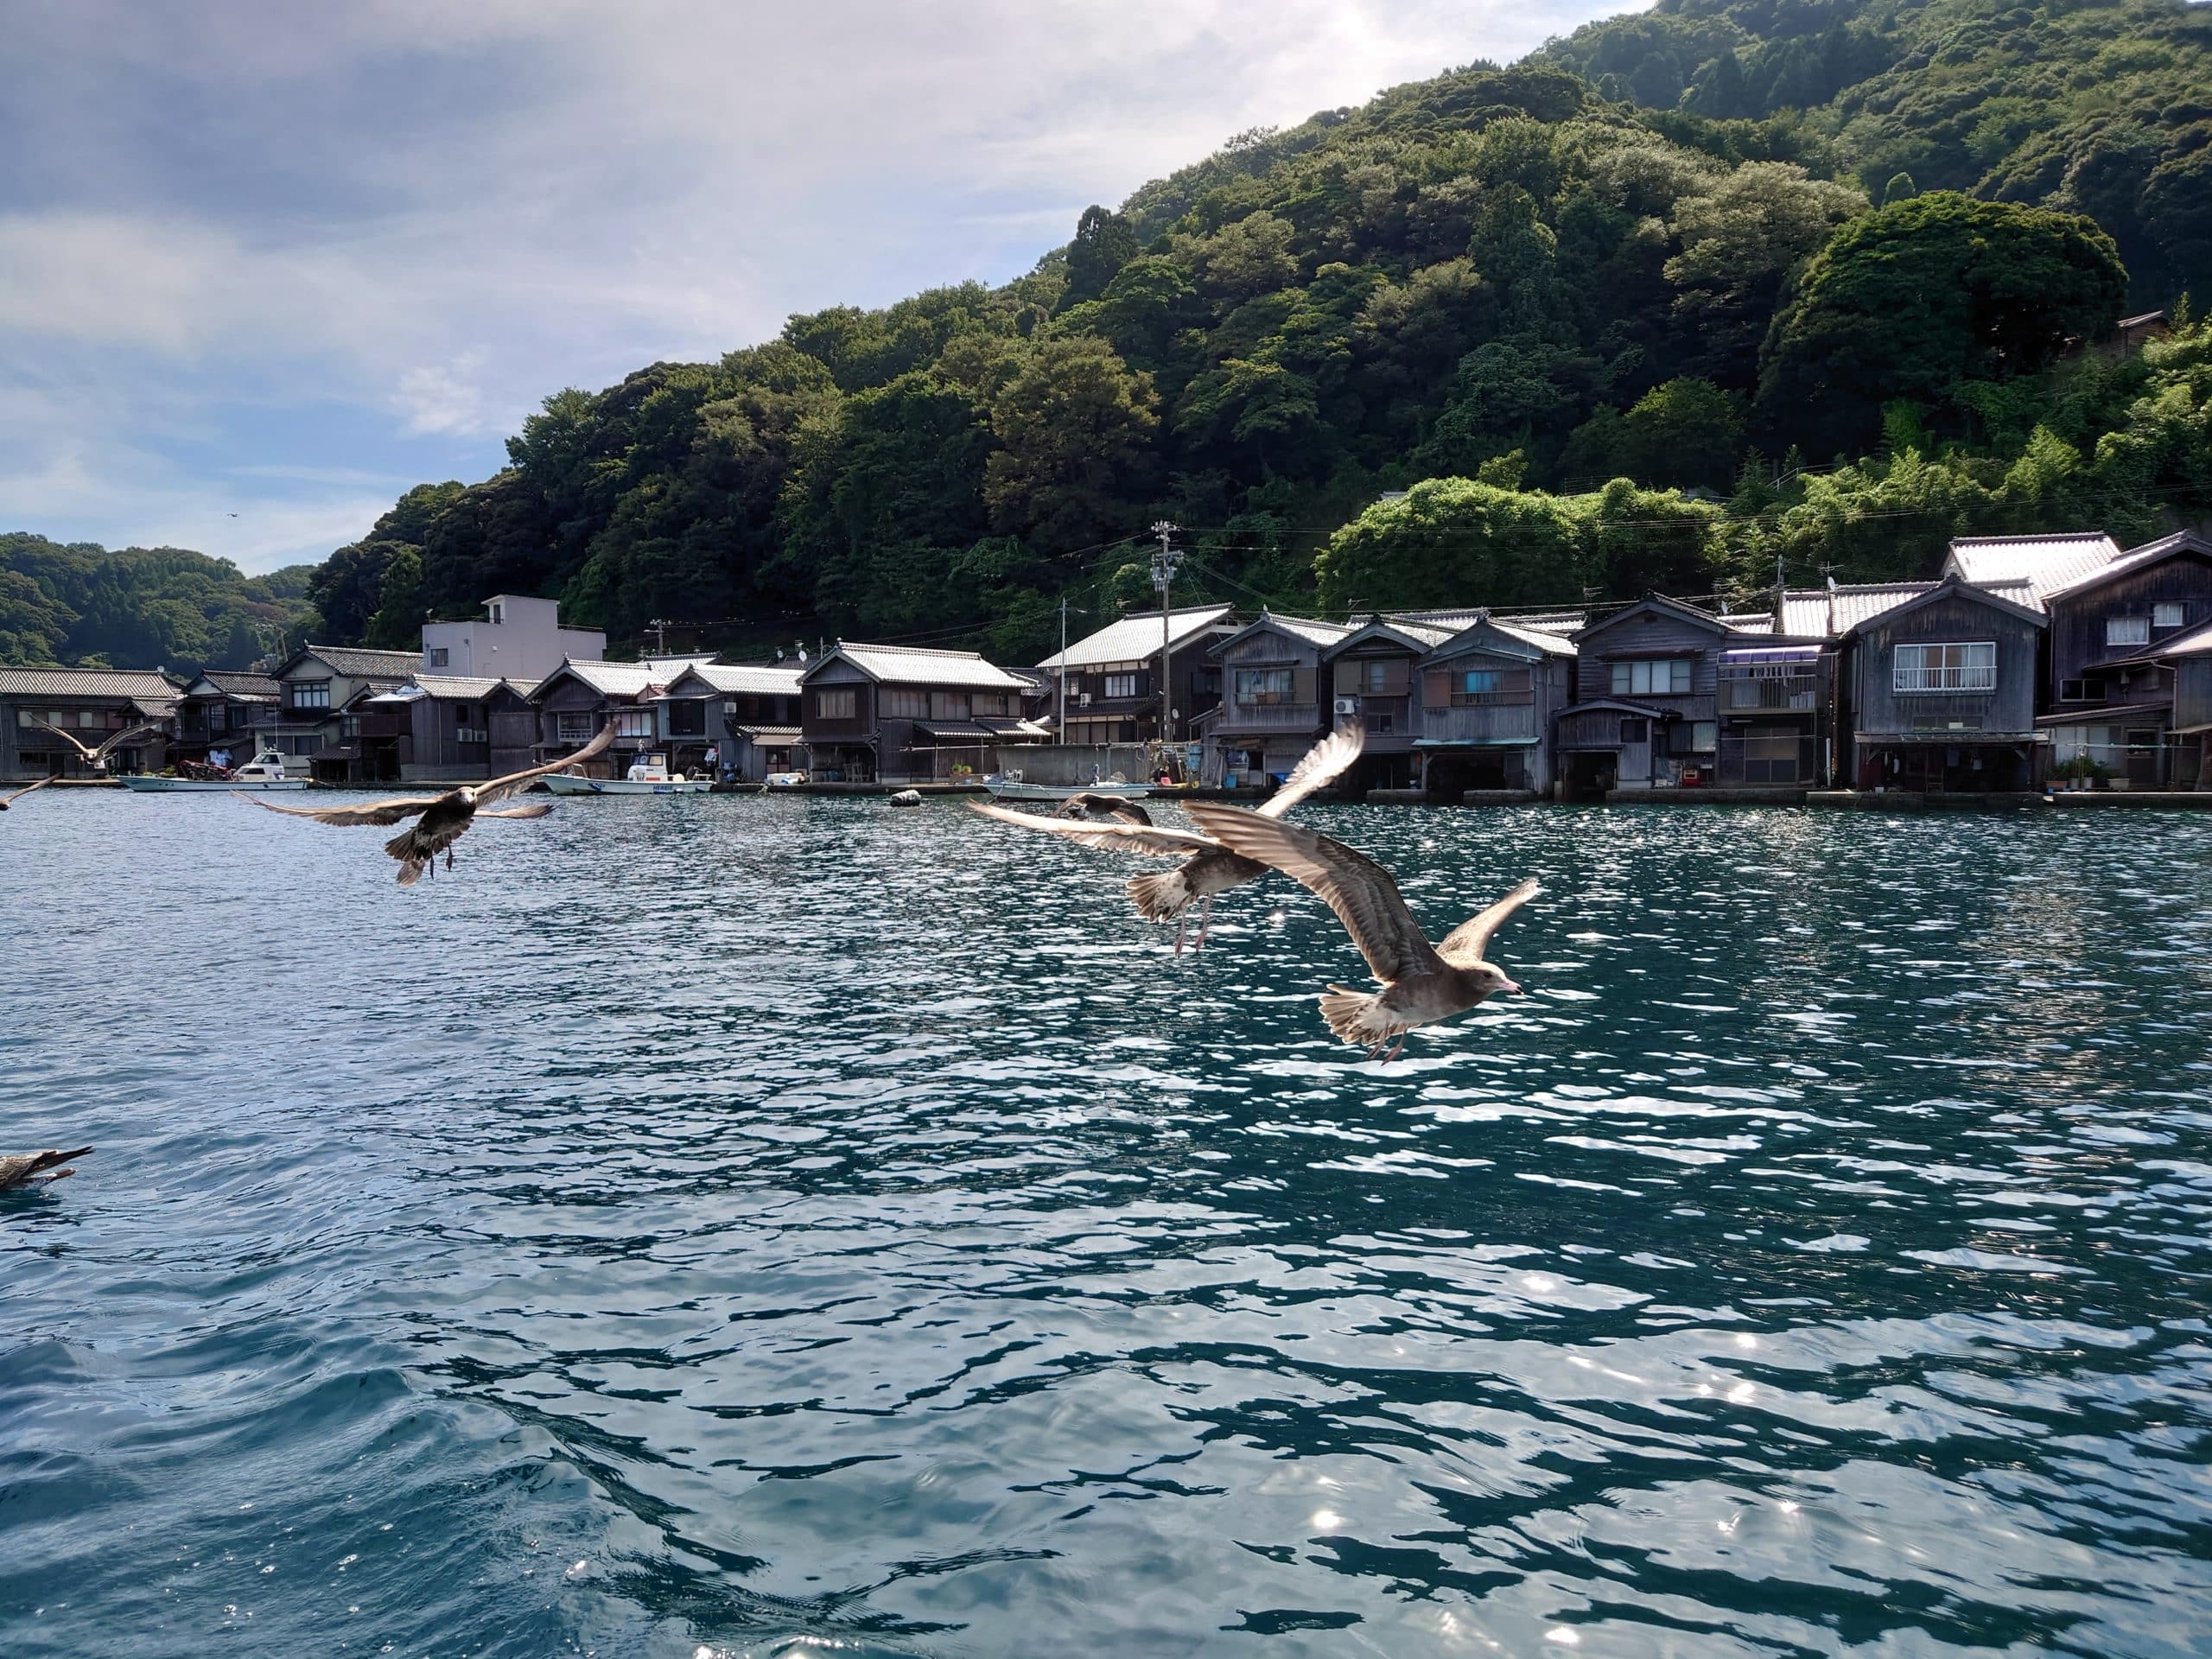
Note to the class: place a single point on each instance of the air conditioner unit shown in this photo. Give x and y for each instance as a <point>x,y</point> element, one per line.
<point>1347,705</point>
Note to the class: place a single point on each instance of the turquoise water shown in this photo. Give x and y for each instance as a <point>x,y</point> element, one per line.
<point>752,1225</point>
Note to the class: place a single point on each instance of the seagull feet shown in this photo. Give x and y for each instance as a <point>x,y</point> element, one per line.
<point>1205,921</point>
<point>448,858</point>
<point>1182,921</point>
<point>1383,1052</point>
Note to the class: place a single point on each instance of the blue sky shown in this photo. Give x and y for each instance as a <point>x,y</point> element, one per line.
<point>264,265</point>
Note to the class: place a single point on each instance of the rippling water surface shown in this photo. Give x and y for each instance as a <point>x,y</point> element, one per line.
<point>757,1224</point>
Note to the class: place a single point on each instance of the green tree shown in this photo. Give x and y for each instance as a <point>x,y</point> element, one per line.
<point>1103,244</point>
<point>1915,299</point>
<point>1074,427</point>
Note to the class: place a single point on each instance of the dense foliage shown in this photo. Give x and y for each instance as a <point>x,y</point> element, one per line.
<point>82,605</point>
<point>1687,292</point>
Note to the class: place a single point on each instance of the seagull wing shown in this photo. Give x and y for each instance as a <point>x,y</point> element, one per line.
<point>8,801</point>
<point>65,737</point>
<point>22,1168</point>
<point>374,812</point>
<point>499,788</point>
<point>1325,763</point>
<point>527,810</point>
<point>1360,891</point>
<point>122,737</point>
<point>1149,840</point>
<point>1464,945</point>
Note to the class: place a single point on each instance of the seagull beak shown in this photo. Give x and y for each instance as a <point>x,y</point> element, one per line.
<point>1510,985</point>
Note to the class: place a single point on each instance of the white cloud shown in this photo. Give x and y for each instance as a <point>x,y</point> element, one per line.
<point>414,218</point>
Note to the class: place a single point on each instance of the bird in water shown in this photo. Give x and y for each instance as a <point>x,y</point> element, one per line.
<point>22,1169</point>
<point>1422,983</point>
<point>1209,870</point>
<point>7,801</point>
<point>97,758</point>
<point>440,820</point>
<point>1092,804</point>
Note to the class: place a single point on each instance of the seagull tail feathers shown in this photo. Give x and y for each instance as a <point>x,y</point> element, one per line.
<point>1161,898</point>
<point>1358,1016</point>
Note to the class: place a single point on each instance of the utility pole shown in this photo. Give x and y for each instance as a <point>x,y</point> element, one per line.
<point>1060,679</point>
<point>660,636</point>
<point>1163,576</point>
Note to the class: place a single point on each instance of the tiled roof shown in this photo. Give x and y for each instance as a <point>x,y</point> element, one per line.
<point>239,684</point>
<point>735,679</point>
<point>2046,563</point>
<point>2134,559</point>
<point>770,734</point>
<point>614,679</point>
<point>469,688</point>
<point>1315,632</point>
<point>908,665</point>
<point>1550,643</point>
<point>358,663</point>
<point>135,682</point>
<point>1136,637</point>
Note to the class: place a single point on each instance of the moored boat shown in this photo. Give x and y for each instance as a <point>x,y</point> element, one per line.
<point>1011,786</point>
<point>265,771</point>
<point>649,777</point>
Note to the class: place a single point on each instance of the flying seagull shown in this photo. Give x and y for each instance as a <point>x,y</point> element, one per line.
<point>7,801</point>
<point>97,758</point>
<point>35,1168</point>
<point>443,819</point>
<point>1209,870</point>
<point>1421,983</point>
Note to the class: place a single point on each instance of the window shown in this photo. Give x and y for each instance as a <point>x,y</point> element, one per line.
<point>1699,736</point>
<point>985,703</point>
<point>438,656</point>
<point>1374,677</point>
<point>1478,686</point>
<point>1632,729</point>
<point>577,728</point>
<point>1945,668</point>
<point>1120,685</point>
<point>833,705</point>
<point>686,717</point>
<point>950,705</point>
<point>901,704</point>
<point>1206,682</point>
<point>2127,631</point>
<point>1379,723</point>
<point>1667,677</point>
<point>311,693</point>
<point>2169,616</point>
<point>499,613</point>
<point>461,717</point>
<point>633,722</point>
<point>1264,685</point>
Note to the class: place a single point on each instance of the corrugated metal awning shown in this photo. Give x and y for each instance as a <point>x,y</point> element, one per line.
<point>1772,654</point>
<point>965,730</point>
<point>1475,743</point>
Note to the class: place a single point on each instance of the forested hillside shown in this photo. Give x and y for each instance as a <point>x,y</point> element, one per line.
<point>1689,291</point>
<point>77,604</point>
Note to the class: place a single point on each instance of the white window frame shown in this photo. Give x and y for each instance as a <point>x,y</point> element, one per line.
<point>1120,685</point>
<point>1679,676</point>
<point>1916,674</point>
<point>573,726</point>
<point>2168,614</point>
<point>2127,630</point>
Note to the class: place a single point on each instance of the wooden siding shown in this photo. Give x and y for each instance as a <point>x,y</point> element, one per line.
<point>1641,635</point>
<point>2193,692</point>
<point>2077,623</point>
<point>1877,708</point>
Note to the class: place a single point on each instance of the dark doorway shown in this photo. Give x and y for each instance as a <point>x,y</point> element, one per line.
<point>1590,773</point>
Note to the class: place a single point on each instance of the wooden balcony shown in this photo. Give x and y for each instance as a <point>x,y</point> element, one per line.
<point>1268,717</point>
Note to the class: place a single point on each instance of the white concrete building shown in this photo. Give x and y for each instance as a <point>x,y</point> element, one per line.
<point>517,639</point>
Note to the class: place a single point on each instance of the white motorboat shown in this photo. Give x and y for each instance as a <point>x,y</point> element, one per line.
<point>647,777</point>
<point>1011,786</point>
<point>265,772</point>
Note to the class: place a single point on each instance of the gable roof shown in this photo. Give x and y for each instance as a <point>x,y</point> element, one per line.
<point>2198,644</point>
<point>2139,558</point>
<point>1471,637</point>
<point>1952,588</point>
<point>1320,634</point>
<point>2045,563</point>
<point>1136,637</point>
<point>1420,638</point>
<point>231,683</point>
<point>912,665</point>
<point>1670,607</point>
<point>740,679</point>
<point>356,662</point>
<point>469,688</point>
<point>144,684</point>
